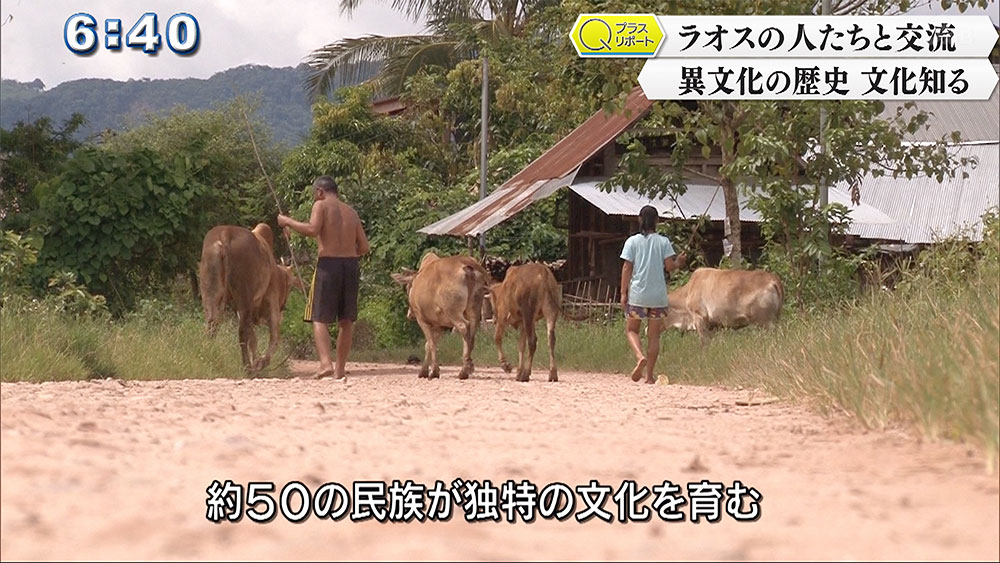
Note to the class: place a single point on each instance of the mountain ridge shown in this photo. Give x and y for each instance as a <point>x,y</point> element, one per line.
<point>116,104</point>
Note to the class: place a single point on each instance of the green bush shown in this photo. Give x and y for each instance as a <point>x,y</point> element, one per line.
<point>18,254</point>
<point>122,221</point>
<point>296,335</point>
<point>383,310</point>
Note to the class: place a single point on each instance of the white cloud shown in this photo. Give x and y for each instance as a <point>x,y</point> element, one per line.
<point>233,32</point>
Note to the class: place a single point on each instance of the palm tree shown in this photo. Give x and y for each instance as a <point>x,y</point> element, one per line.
<point>455,31</point>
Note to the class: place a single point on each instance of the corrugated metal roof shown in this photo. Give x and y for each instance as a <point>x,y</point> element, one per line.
<point>496,208</point>
<point>700,199</point>
<point>977,120</point>
<point>926,210</point>
<point>554,169</point>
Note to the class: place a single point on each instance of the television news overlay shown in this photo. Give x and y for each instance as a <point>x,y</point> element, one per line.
<point>795,58</point>
<point>182,35</point>
<point>482,501</point>
<point>204,452</point>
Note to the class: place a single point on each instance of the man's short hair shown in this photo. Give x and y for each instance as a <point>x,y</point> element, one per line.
<point>326,183</point>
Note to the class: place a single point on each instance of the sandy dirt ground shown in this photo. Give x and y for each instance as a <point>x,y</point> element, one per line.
<point>119,470</point>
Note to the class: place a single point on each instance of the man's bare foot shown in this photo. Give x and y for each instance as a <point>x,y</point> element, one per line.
<point>637,371</point>
<point>650,379</point>
<point>340,376</point>
<point>325,372</point>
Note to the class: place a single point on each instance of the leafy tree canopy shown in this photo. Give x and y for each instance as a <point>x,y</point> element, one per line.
<point>29,154</point>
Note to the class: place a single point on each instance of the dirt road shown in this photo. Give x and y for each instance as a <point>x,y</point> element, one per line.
<point>112,469</point>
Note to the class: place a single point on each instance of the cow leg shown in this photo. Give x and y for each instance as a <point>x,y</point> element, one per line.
<point>252,344</point>
<point>274,323</point>
<point>424,367</point>
<point>428,349</point>
<point>211,325</point>
<point>471,317</point>
<point>498,339</point>
<point>468,342</point>
<point>550,323</point>
<point>532,346</point>
<point>431,334</point>
<point>530,340</point>
<point>245,334</point>
<point>473,329</point>
<point>701,325</point>
<point>435,367</point>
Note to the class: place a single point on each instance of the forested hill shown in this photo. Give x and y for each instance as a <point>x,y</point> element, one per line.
<point>111,104</point>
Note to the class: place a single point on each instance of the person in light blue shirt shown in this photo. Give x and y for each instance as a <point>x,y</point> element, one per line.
<point>644,289</point>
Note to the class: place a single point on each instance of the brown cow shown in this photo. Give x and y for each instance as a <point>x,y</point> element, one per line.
<point>527,294</point>
<point>238,270</point>
<point>725,298</point>
<point>446,293</point>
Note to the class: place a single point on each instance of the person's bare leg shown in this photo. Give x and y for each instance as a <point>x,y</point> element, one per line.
<point>632,335</point>
<point>653,330</point>
<point>321,335</point>
<point>345,337</point>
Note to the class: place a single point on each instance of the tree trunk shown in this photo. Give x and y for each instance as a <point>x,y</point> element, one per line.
<point>732,221</point>
<point>732,230</point>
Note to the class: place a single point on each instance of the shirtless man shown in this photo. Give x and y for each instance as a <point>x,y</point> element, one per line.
<point>333,295</point>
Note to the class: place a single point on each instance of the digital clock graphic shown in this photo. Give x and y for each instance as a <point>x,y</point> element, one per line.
<point>182,34</point>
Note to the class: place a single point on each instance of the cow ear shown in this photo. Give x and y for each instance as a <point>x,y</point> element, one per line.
<point>402,279</point>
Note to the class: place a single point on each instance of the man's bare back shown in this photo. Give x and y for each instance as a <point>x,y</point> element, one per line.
<point>340,232</point>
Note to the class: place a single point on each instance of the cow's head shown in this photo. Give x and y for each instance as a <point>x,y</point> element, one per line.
<point>490,300</point>
<point>679,317</point>
<point>405,279</point>
<point>288,280</point>
<point>294,280</point>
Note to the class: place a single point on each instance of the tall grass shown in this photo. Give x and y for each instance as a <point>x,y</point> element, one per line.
<point>930,358</point>
<point>39,345</point>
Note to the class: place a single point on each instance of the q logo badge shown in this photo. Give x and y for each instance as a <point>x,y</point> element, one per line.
<point>616,35</point>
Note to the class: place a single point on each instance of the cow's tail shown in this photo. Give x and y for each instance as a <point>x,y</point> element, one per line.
<point>779,288</point>
<point>556,296</point>
<point>214,276</point>
<point>476,279</point>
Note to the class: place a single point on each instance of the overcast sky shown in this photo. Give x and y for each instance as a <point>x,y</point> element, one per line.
<point>233,33</point>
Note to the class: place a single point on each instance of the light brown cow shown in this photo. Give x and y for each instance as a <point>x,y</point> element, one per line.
<point>528,293</point>
<point>238,270</point>
<point>725,298</point>
<point>446,293</point>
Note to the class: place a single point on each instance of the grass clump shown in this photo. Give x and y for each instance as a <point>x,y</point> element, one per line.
<point>41,344</point>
